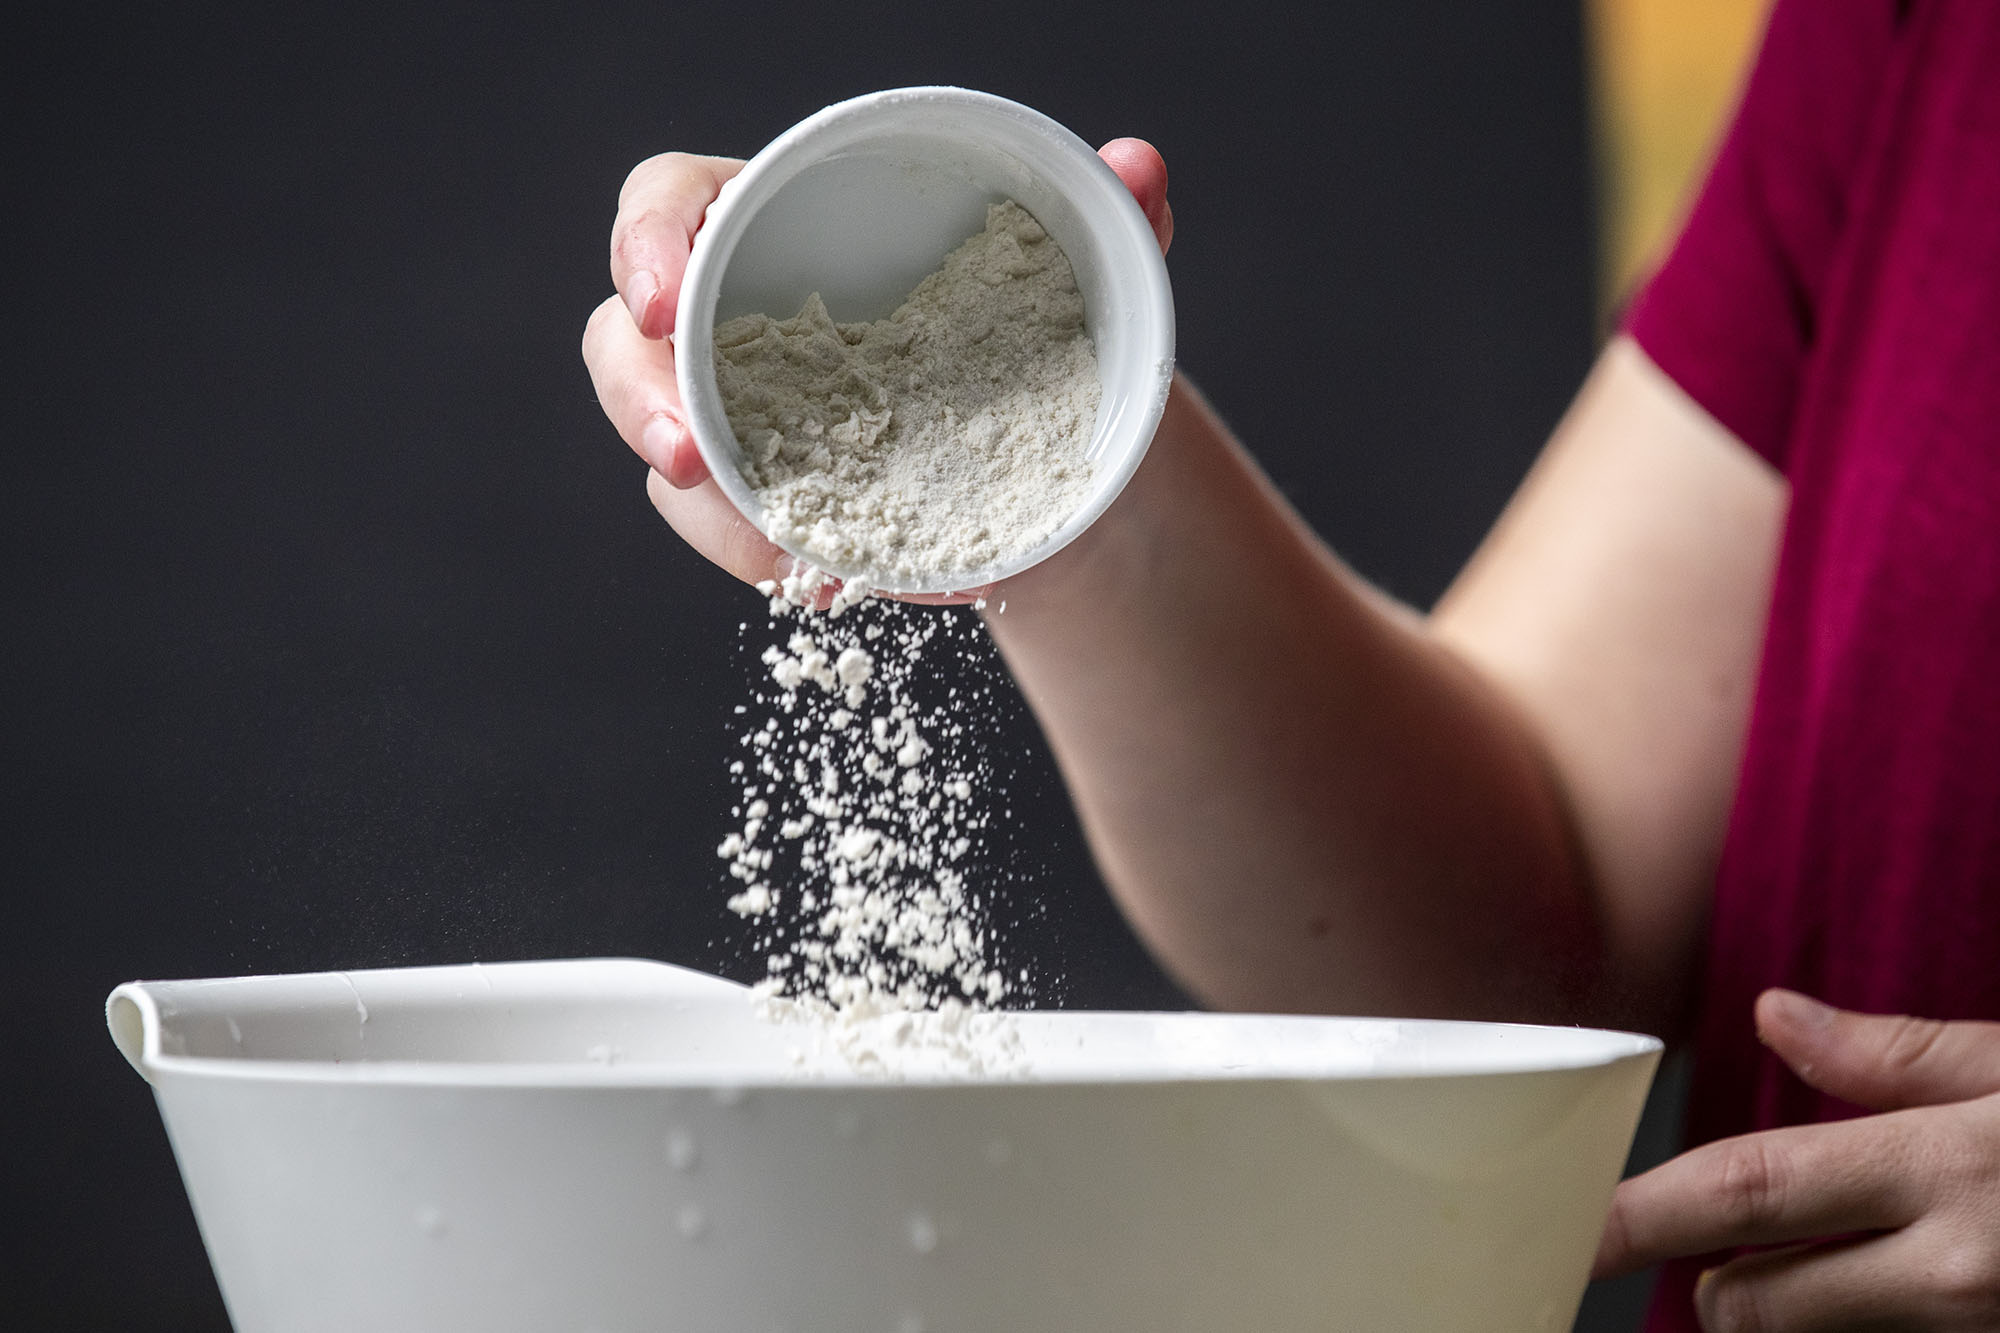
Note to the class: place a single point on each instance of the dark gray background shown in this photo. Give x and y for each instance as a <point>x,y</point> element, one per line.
<point>339,631</point>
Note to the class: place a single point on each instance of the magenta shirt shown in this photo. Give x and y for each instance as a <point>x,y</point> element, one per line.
<point>1835,302</point>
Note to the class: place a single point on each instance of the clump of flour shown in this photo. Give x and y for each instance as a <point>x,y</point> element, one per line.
<point>937,441</point>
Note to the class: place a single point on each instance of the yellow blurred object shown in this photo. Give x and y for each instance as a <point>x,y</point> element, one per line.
<point>1665,74</point>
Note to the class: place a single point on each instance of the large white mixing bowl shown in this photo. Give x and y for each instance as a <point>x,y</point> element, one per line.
<point>620,1146</point>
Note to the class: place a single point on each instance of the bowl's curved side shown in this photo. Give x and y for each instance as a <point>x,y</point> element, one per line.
<point>1467,1202</point>
<point>612,1142</point>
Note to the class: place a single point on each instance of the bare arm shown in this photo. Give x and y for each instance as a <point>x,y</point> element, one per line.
<point>1308,797</point>
<point>1620,604</point>
<point>1304,795</point>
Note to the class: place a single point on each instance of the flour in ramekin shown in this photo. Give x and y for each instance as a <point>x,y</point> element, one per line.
<point>939,441</point>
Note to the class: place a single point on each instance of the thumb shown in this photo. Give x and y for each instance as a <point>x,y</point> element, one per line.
<point>1879,1061</point>
<point>1144,172</point>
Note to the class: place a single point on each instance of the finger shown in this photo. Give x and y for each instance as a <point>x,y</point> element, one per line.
<point>705,519</point>
<point>1772,1188</point>
<point>634,379</point>
<point>1882,1062</point>
<point>1763,1291</point>
<point>1881,1282</point>
<point>1144,172</point>
<point>659,210</point>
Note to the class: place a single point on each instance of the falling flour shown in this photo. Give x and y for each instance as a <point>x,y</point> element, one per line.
<point>866,799</point>
<point>938,441</point>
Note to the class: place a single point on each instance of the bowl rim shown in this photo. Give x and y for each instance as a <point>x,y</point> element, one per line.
<point>139,1013</point>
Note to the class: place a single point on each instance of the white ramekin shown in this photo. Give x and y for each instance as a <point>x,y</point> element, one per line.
<point>861,200</point>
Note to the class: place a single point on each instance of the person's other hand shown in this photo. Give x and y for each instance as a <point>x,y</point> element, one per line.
<point>626,341</point>
<point>1887,1221</point>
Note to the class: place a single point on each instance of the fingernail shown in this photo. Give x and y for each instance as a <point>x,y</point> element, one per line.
<point>661,436</point>
<point>1801,1010</point>
<point>640,289</point>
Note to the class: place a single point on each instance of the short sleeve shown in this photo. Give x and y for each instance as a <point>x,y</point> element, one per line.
<point>1730,315</point>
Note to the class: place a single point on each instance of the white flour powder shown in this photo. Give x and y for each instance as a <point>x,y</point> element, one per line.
<point>934,442</point>
<point>864,797</point>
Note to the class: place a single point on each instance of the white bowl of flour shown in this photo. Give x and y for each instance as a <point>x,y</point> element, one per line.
<point>990,407</point>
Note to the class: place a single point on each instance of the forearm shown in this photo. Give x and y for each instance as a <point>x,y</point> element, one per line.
<point>1300,799</point>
